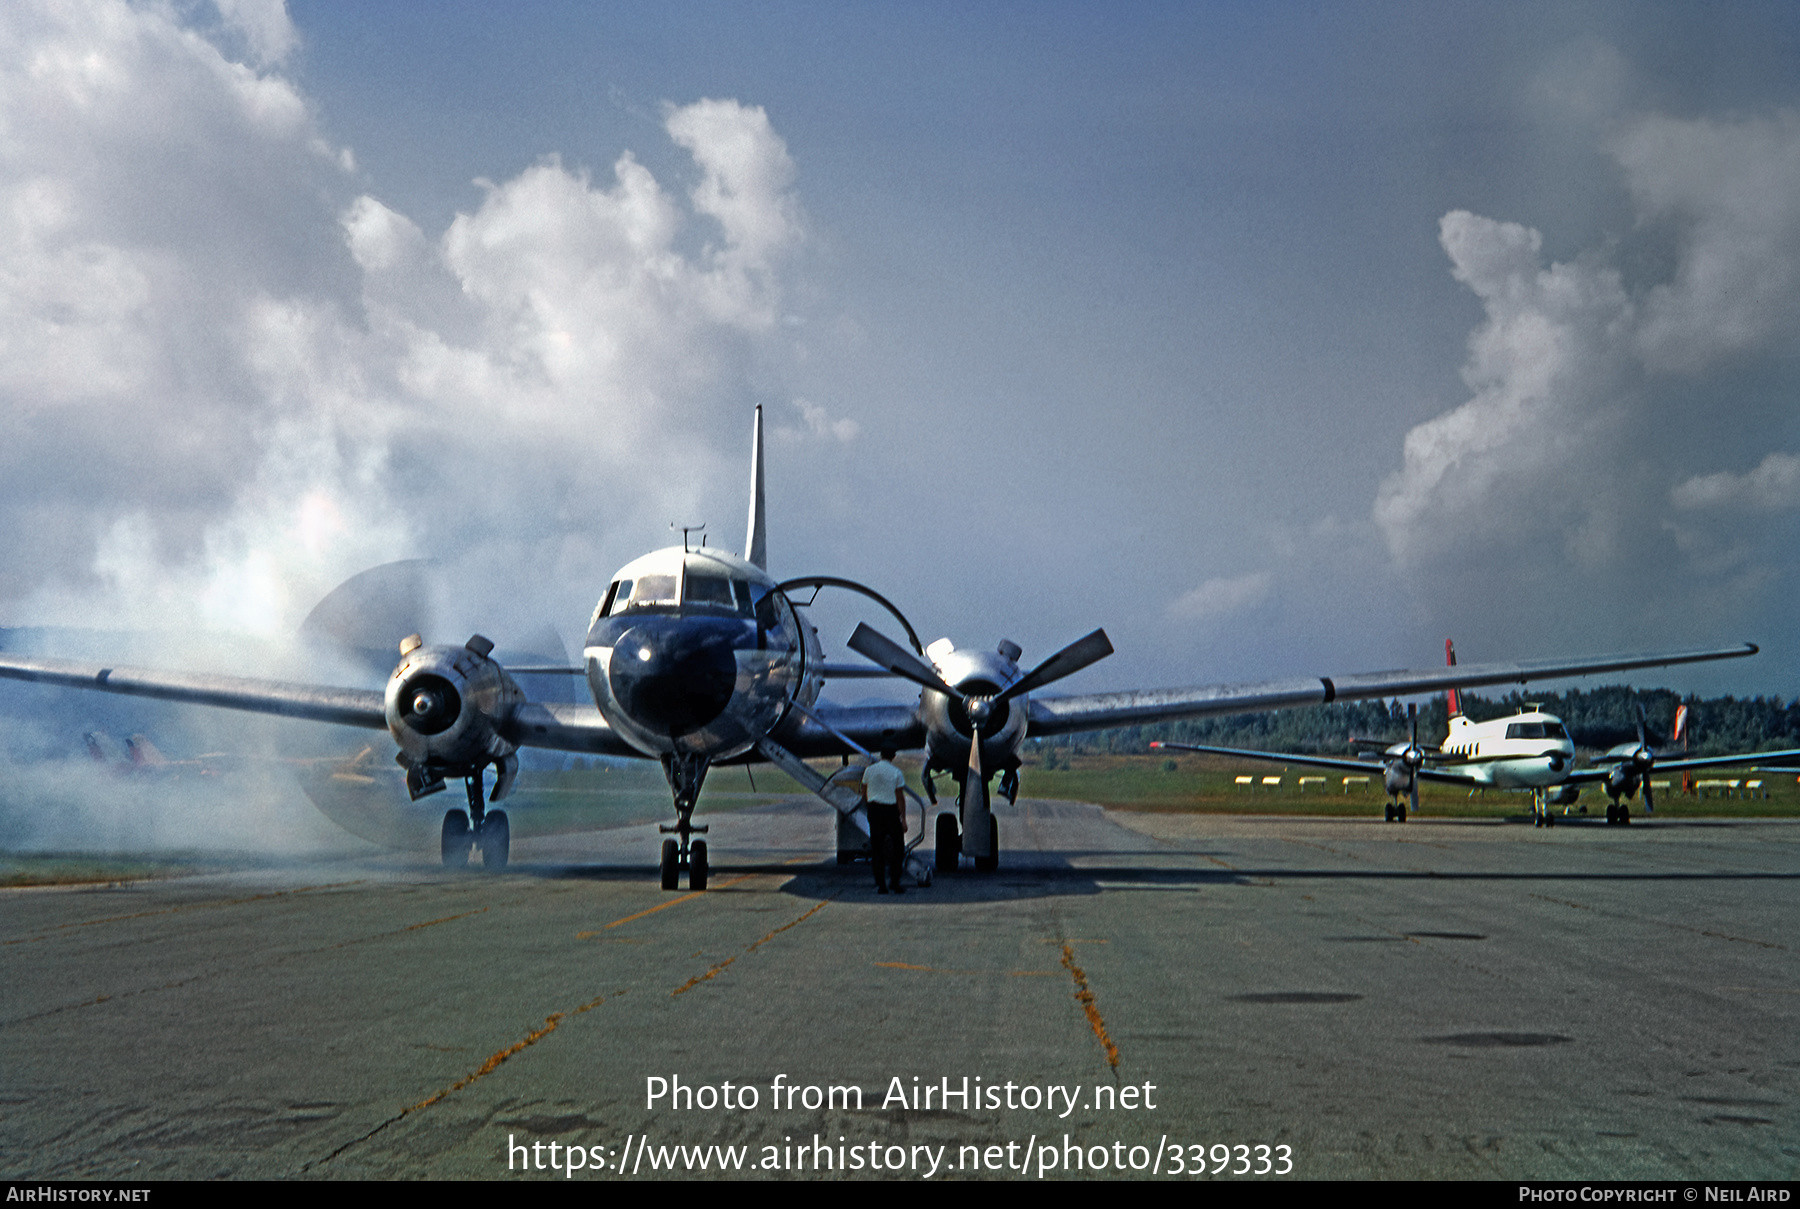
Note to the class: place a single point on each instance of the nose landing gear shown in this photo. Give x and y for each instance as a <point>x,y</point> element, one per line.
<point>686,772</point>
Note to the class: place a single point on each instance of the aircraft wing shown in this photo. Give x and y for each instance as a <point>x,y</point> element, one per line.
<point>1095,711</point>
<point>1599,773</point>
<point>316,703</point>
<point>556,725</point>
<point>1371,767</point>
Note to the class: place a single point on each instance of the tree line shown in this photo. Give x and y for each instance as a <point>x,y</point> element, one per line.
<point>1597,719</point>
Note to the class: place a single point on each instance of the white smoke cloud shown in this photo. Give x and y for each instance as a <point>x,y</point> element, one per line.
<point>1222,596</point>
<point>1567,455</point>
<point>228,381</point>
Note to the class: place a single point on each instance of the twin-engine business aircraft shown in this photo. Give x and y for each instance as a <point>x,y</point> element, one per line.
<point>696,657</point>
<point>1530,750</point>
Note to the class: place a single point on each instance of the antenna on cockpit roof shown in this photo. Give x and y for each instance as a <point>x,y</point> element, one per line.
<point>687,529</point>
<point>756,548</point>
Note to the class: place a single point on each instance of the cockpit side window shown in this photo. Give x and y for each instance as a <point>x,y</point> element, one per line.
<point>1554,730</point>
<point>742,590</point>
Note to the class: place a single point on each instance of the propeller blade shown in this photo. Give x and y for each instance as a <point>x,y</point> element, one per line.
<point>975,799</point>
<point>1066,662</point>
<point>1415,793</point>
<point>1642,742</point>
<point>1649,798</point>
<point>873,645</point>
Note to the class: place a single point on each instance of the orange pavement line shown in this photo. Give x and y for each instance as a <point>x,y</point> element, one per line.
<point>673,902</point>
<point>1086,998</point>
<point>493,1063</point>
<point>431,922</point>
<point>697,979</point>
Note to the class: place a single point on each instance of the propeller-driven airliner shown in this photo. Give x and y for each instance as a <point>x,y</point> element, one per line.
<point>1530,750</point>
<point>697,657</point>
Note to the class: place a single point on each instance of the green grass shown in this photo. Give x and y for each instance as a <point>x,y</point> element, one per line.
<point>1206,784</point>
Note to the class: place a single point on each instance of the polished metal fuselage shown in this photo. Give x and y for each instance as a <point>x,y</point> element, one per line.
<point>694,667</point>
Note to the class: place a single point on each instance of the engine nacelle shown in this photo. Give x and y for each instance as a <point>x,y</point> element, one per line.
<point>445,706</point>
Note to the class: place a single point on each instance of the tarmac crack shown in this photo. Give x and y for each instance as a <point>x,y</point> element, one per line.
<point>1663,923</point>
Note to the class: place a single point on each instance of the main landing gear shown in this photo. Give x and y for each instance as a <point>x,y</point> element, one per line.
<point>1618,812</point>
<point>686,773</point>
<point>478,827</point>
<point>1396,812</point>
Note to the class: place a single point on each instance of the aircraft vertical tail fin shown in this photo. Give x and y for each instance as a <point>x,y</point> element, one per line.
<point>756,548</point>
<point>1450,698</point>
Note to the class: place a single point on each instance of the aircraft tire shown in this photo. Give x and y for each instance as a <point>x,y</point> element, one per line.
<point>1387,813</point>
<point>949,843</point>
<point>991,862</point>
<point>495,841</point>
<point>455,843</point>
<point>671,865</point>
<point>697,870</point>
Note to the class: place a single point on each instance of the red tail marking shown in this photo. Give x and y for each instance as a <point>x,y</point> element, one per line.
<point>1450,697</point>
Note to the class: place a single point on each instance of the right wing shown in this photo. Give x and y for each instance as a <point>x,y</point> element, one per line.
<point>1097,711</point>
<point>559,726</point>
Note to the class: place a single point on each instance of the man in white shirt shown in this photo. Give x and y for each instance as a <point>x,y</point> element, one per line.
<point>884,787</point>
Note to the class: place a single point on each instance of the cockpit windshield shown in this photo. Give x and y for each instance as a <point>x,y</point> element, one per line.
<point>647,590</point>
<point>1536,730</point>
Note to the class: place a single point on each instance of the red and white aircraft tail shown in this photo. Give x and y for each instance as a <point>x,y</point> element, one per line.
<point>1450,697</point>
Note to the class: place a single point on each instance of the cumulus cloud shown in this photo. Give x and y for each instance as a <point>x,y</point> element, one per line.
<point>1222,596</point>
<point>228,380</point>
<point>1773,486</point>
<point>1584,379</point>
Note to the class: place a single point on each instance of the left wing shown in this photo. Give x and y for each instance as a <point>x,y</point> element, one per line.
<point>1374,767</point>
<point>1096,711</point>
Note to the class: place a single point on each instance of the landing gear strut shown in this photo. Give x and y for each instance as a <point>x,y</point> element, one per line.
<point>686,772</point>
<point>478,827</point>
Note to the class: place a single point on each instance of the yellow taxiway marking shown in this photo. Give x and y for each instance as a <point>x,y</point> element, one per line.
<point>697,979</point>
<point>907,965</point>
<point>673,902</point>
<point>1085,997</point>
<point>493,1063</point>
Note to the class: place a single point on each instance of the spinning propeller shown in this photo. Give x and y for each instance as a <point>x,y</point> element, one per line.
<point>1633,768</point>
<point>873,645</point>
<point>1406,761</point>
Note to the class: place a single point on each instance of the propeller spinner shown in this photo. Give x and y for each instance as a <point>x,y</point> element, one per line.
<point>979,708</point>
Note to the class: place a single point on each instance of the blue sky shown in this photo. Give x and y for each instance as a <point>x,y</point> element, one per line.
<point>1277,339</point>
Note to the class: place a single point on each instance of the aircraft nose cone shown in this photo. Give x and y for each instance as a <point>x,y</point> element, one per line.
<point>673,678</point>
